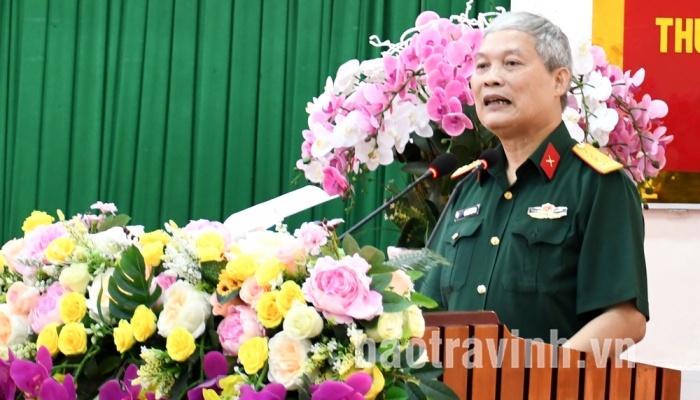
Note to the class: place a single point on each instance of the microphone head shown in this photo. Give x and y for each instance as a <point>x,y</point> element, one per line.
<point>490,157</point>
<point>443,165</point>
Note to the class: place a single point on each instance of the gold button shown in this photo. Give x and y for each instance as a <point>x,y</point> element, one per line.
<point>481,289</point>
<point>495,241</point>
<point>455,236</point>
<point>508,195</point>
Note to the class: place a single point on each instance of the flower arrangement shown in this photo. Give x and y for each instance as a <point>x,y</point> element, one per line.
<point>92,307</point>
<point>414,103</point>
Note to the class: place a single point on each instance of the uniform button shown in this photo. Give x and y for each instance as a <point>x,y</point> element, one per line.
<point>495,241</point>
<point>455,236</point>
<point>508,195</point>
<point>481,289</point>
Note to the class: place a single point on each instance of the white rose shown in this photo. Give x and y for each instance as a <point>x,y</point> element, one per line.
<point>186,307</point>
<point>100,282</point>
<point>111,241</point>
<point>414,323</point>
<point>14,328</point>
<point>76,277</point>
<point>287,357</point>
<point>303,322</point>
<point>389,326</point>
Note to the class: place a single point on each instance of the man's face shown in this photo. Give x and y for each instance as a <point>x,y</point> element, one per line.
<point>512,87</point>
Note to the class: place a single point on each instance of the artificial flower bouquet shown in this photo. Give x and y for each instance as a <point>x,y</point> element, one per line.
<point>415,103</point>
<point>92,307</point>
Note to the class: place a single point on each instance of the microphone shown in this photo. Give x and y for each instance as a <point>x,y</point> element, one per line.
<point>488,158</point>
<point>442,165</point>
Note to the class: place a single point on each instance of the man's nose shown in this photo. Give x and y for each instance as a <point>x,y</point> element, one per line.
<point>493,77</point>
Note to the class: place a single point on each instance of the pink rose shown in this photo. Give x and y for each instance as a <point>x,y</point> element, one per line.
<point>47,307</point>
<point>21,298</point>
<point>197,228</point>
<point>340,289</point>
<point>250,291</point>
<point>223,310</point>
<point>36,241</point>
<point>239,325</point>
<point>10,251</point>
<point>312,236</point>
<point>164,280</point>
<point>292,255</point>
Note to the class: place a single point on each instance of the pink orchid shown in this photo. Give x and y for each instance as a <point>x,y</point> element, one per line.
<point>334,182</point>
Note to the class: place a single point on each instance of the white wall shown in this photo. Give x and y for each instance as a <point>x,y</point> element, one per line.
<point>672,246</point>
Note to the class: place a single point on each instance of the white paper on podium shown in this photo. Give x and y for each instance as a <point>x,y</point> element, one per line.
<point>266,215</point>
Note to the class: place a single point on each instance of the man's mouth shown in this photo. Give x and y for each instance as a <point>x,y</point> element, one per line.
<point>496,100</point>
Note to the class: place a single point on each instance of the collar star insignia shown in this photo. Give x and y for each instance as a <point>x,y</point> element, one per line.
<point>550,160</point>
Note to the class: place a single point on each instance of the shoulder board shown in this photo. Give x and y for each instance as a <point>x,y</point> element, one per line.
<point>598,160</point>
<point>465,169</point>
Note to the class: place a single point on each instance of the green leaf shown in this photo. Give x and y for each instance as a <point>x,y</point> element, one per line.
<point>381,269</point>
<point>213,335</point>
<point>128,287</point>
<point>113,221</point>
<point>420,260</point>
<point>211,271</point>
<point>423,301</point>
<point>417,168</point>
<point>109,364</point>
<point>427,372</point>
<point>371,324</point>
<point>409,358</point>
<point>372,254</point>
<point>414,392</point>
<point>395,393</point>
<point>393,302</point>
<point>180,384</point>
<point>380,282</point>
<point>412,234</point>
<point>92,370</point>
<point>350,246</point>
<point>225,299</point>
<point>437,390</point>
<point>414,275</point>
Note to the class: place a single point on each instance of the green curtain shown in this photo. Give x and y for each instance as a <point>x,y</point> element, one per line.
<point>181,109</point>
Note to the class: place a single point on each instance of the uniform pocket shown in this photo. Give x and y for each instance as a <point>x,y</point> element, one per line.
<point>459,245</point>
<point>533,244</point>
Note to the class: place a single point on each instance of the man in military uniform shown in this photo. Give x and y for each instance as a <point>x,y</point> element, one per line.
<point>550,238</point>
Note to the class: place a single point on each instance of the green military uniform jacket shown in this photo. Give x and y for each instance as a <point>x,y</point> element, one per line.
<point>539,268</point>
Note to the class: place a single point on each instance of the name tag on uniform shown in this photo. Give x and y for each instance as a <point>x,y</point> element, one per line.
<point>467,212</point>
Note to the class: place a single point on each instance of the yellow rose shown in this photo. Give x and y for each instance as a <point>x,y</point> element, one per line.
<point>152,252</point>
<point>268,313</point>
<point>242,268</point>
<point>124,336</point>
<point>59,249</point>
<point>2,264</point>
<point>73,307</point>
<point>143,323</point>
<point>253,354</point>
<point>73,339</point>
<point>76,277</point>
<point>210,247</point>
<point>268,271</point>
<point>180,344</point>
<point>414,323</point>
<point>289,292</point>
<point>378,381</point>
<point>49,338</point>
<point>389,326</point>
<point>38,218</point>
<point>157,236</point>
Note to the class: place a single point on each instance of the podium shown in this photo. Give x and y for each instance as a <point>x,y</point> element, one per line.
<point>484,361</point>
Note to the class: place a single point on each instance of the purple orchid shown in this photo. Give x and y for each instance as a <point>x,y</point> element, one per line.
<point>215,368</point>
<point>7,384</point>
<point>354,388</point>
<point>28,376</point>
<point>273,391</point>
<point>112,390</point>
<point>53,390</point>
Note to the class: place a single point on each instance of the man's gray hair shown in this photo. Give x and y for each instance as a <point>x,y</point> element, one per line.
<point>551,43</point>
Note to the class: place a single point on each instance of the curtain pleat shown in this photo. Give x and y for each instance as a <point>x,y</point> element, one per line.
<point>179,109</point>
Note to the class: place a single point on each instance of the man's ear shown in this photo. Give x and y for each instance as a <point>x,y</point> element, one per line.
<point>562,81</point>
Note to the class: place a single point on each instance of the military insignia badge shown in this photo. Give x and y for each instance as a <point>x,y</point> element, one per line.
<point>547,211</point>
<point>467,212</point>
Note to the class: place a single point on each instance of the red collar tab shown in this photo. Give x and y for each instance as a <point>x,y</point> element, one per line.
<point>550,160</point>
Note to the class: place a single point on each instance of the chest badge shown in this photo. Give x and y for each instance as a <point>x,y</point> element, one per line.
<point>547,211</point>
<point>467,212</point>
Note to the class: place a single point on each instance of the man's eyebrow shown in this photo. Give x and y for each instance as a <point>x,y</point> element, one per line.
<point>515,51</point>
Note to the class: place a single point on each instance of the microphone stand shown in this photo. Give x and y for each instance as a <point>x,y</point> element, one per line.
<point>423,177</point>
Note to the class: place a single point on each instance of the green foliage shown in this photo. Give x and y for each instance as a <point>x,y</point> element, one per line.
<point>393,302</point>
<point>211,271</point>
<point>423,301</point>
<point>114,221</point>
<point>350,246</point>
<point>419,260</point>
<point>128,287</point>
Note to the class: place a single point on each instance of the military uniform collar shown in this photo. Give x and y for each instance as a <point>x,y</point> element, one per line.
<point>547,156</point>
